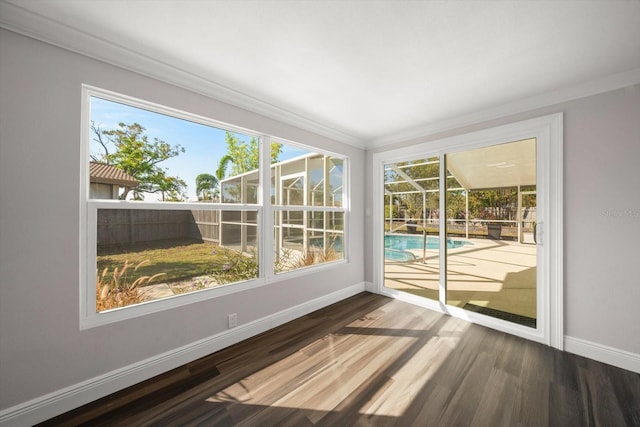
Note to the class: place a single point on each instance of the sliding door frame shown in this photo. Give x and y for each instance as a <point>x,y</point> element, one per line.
<point>547,131</point>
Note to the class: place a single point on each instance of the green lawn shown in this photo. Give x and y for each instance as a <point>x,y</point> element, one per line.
<point>178,260</point>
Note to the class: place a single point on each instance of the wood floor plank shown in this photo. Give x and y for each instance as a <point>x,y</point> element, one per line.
<point>496,404</point>
<point>595,387</point>
<point>468,392</point>
<point>374,361</point>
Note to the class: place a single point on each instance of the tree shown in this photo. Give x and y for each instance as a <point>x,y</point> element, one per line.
<point>100,139</point>
<point>134,154</point>
<point>497,203</point>
<point>171,188</point>
<point>221,172</point>
<point>205,186</point>
<point>412,184</point>
<point>244,156</point>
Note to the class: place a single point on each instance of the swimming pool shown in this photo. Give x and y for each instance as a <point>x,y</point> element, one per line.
<point>396,255</point>
<point>403,242</point>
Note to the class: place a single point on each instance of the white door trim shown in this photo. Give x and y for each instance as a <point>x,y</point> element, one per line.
<point>548,132</point>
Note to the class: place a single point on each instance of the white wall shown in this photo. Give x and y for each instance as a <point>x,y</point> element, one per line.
<point>42,349</point>
<point>601,221</point>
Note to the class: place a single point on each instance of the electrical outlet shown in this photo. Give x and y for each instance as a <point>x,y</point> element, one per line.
<point>233,320</point>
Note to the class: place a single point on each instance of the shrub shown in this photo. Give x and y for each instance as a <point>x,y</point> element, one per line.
<point>292,260</point>
<point>235,266</point>
<point>314,256</point>
<point>114,290</point>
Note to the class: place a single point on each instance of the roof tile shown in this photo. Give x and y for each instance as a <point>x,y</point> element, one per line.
<point>108,174</point>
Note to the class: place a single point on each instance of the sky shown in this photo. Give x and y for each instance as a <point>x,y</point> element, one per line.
<point>204,145</point>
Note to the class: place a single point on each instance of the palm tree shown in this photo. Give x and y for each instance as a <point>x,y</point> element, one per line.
<point>221,172</point>
<point>205,185</point>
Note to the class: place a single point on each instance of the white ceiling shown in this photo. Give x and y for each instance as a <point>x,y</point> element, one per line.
<point>364,72</point>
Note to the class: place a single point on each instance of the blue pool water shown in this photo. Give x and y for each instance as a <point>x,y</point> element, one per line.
<point>395,255</point>
<point>395,245</point>
<point>317,242</point>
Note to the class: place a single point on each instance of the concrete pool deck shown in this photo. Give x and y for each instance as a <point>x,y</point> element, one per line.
<point>497,274</point>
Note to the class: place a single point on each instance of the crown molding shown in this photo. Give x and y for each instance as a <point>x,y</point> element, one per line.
<point>22,21</point>
<point>19,20</point>
<point>570,93</point>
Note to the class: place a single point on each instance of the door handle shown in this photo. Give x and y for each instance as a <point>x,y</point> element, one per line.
<point>538,233</point>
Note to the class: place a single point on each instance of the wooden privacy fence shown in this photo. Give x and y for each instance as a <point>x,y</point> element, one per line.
<point>129,226</point>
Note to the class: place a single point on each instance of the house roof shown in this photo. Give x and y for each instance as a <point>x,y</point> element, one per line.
<point>107,174</point>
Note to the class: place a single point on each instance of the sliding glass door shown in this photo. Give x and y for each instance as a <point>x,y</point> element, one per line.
<point>472,226</point>
<point>489,270</point>
<point>412,226</point>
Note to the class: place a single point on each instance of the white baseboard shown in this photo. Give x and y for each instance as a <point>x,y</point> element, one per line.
<point>602,353</point>
<point>368,286</point>
<point>61,401</point>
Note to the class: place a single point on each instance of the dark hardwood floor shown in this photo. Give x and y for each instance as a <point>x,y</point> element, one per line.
<point>373,361</point>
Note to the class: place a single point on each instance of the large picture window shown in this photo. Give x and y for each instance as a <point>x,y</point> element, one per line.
<point>175,207</point>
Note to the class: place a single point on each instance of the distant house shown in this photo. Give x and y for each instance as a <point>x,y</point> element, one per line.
<point>105,181</point>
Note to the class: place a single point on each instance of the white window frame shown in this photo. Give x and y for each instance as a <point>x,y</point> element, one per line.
<point>345,209</point>
<point>548,132</point>
<point>89,318</point>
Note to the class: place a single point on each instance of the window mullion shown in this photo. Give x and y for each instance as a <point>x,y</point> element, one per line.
<point>442,294</point>
<point>266,222</point>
